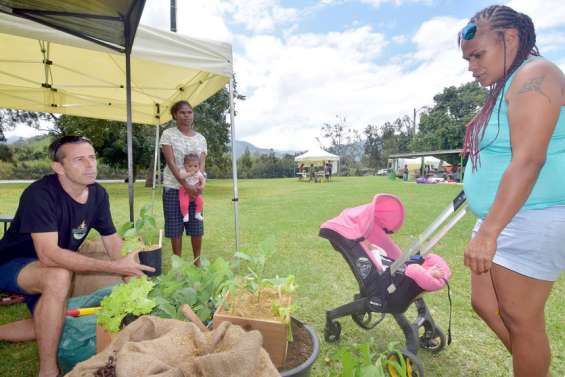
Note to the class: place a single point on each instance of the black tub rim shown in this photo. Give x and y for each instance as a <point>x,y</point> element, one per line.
<point>310,361</point>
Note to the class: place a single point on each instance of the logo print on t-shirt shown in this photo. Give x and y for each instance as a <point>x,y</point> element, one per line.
<point>80,232</point>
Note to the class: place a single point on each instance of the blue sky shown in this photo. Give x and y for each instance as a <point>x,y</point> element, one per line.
<point>302,63</point>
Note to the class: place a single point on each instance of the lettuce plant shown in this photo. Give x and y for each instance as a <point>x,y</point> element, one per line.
<point>130,298</point>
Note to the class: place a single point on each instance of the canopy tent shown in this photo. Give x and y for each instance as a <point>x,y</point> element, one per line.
<point>317,156</point>
<point>43,69</point>
<point>47,70</point>
<point>111,23</point>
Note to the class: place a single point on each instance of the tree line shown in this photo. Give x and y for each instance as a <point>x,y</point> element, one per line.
<point>441,126</point>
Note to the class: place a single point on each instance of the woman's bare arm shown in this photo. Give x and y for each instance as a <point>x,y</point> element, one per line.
<point>170,161</point>
<point>202,162</point>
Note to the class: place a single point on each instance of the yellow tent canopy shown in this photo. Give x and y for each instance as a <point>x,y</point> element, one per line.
<point>46,70</point>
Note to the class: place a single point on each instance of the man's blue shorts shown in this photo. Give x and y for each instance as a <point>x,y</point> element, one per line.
<point>9,280</point>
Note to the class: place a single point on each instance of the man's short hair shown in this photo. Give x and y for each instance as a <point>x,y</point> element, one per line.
<point>54,151</point>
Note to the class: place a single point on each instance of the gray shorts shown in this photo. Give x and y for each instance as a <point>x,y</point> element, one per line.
<point>533,243</point>
<point>174,226</point>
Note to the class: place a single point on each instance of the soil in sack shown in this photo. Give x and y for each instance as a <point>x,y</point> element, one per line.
<point>109,370</point>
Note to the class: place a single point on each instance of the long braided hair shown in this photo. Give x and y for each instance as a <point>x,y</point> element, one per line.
<point>498,17</point>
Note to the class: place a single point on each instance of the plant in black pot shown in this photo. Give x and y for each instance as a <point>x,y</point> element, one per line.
<point>144,236</point>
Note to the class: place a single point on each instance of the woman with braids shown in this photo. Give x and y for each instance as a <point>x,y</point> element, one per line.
<point>515,183</point>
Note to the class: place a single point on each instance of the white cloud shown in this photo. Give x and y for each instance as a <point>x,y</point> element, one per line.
<point>400,39</point>
<point>23,130</point>
<point>550,41</point>
<point>206,18</point>
<point>259,15</point>
<point>295,85</point>
<point>197,18</point>
<point>545,14</point>
<point>437,35</point>
<point>561,64</point>
<point>378,3</point>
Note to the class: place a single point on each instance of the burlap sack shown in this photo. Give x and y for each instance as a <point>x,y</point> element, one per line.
<point>159,347</point>
<point>86,283</point>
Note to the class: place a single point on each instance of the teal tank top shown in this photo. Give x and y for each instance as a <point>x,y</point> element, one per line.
<point>495,155</point>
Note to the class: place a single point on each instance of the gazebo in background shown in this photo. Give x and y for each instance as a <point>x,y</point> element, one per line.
<point>318,157</point>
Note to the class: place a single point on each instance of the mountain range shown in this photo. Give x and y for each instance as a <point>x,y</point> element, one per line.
<point>241,146</point>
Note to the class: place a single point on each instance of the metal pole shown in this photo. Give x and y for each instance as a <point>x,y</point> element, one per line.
<point>414,123</point>
<point>155,166</point>
<point>234,167</point>
<point>174,16</point>
<point>129,125</point>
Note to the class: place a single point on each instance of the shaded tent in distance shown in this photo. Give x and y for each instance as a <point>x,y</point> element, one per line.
<point>318,157</point>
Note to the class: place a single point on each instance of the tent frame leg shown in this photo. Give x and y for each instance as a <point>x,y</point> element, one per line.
<point>234,166</point>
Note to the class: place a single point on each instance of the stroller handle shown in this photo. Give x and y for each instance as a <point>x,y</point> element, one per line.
<point>418,245</point>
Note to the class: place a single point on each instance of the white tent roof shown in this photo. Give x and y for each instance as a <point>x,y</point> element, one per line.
<point>316,155</point>
<point>46,70</point>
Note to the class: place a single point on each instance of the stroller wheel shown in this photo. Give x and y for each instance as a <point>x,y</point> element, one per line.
<point>434,343</point>
<point>332,331</point>
<point>403,364</point>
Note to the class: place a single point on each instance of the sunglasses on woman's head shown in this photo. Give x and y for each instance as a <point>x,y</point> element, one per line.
<point>469,31</point>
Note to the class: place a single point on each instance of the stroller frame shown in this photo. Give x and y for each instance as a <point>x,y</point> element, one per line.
<point>364,304</point>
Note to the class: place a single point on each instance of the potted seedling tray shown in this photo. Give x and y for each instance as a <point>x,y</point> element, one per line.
<point>254,312</point>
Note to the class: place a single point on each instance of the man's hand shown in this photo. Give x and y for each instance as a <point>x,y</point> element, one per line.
<point>128,265</point>
<point>479,253</point>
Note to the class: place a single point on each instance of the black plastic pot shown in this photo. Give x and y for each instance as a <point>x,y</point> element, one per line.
<point>151,258</point>
<point>303,370</point>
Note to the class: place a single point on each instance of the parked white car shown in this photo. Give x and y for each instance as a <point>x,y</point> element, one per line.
<point>382,172</point>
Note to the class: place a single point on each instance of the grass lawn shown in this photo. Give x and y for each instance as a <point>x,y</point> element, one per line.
<point>292,212</point>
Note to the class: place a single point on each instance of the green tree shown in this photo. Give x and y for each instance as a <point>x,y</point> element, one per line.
<point>344,142</point>
<point>9,118</point>
<point>443,126</point>
<point>245,165</point>
<point>389,138</point>
<point>110,140</point>
<point>210,121</point>
<point>373,149</point>
<point>109,137</point>
<point>6,153</point>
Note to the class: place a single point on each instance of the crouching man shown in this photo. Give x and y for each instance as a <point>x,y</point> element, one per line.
<point>37,253</point>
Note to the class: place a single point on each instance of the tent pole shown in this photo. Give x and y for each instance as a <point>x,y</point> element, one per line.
<point>129,135</point>
<point>155,165</point>
<point>156,155</point>
<point>234,167</point>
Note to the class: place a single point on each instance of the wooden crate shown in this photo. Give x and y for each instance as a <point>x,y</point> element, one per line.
<point>103,338</point>
<point>274,333</point>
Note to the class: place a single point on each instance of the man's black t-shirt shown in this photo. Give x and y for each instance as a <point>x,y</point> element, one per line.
<point>45,207</point>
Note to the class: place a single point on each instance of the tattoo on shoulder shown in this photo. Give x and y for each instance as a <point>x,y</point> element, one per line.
<point>534,85</point>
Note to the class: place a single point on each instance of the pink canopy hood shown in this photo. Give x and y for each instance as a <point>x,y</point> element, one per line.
<point>384,214</point>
